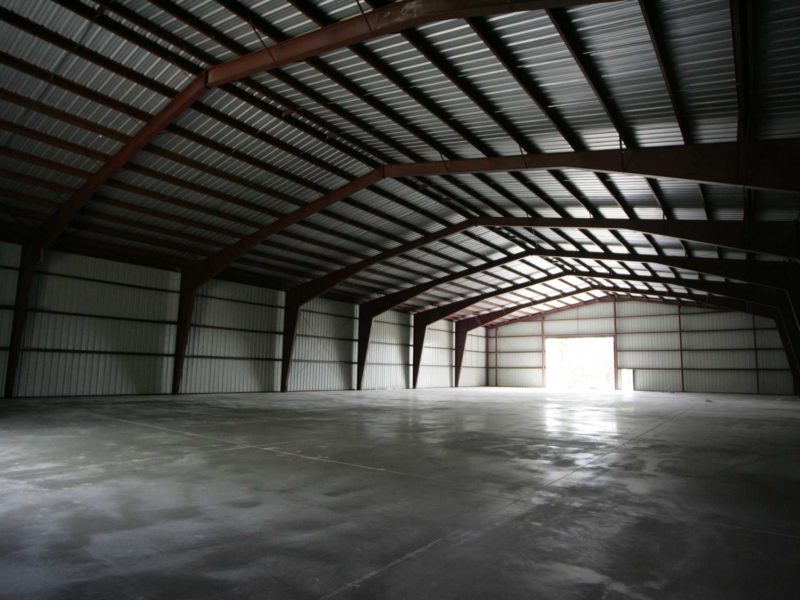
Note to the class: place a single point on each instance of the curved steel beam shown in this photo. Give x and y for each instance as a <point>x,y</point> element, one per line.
<point>769,164</point>
<point>775,236</point>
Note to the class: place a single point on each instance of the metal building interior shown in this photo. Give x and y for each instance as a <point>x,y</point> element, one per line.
<point>414,299</point>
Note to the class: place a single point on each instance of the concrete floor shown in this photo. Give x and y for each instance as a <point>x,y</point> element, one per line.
<point>471,493</point>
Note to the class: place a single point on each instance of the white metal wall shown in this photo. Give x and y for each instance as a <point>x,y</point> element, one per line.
<point>515,355</point>
<point>102,327</point>
<point>98,327</point>
<point>669,348</point>
<point>9,261</point>
<point>648,341</point>
<point>473,370</point>
<point>436,368</point>
<point>389,355</point>
<point>234,344</point>
<point>324,354</point>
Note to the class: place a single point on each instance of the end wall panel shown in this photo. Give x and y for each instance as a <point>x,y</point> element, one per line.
<point>234,343</point>
<point>3,364</point>
<point>98,327</point>
<point>649,380</point>
<point>716,349</point>
<point>10,255</point>
<point>389,356</point>
<point>324,354</point>
<point>437,356</point>
<point>776,382</point>
<point>9,261</point>
<point>519,378</point>
<point>738,382</point>
<point>78,374</point>
<point>473,370</point>
<point>221,375</point>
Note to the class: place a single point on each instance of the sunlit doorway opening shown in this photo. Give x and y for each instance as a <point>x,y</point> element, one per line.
<point>579,363</point>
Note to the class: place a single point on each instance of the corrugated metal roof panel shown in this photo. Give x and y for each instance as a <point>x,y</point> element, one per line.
<point>476,64</point>
<point>779,69</point>
<point>617,39</point>
<point>700,42</point>
<point>430,81</point>
<point>25,117</point>
<point>536,43</point>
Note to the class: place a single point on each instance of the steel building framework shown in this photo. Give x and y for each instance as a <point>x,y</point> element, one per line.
<point>347,192</point>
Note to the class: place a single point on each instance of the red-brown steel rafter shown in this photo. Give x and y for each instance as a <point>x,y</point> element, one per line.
<point>379,22</point>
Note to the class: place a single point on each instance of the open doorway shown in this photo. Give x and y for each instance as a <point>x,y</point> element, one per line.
<point>579,362</point>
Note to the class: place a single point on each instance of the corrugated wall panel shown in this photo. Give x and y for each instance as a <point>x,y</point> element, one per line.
<point>647,324</point>
<point>599,327</point>
<point>719,359</point>
<point>716,321</point>
<point>768,338</point>
<point>775,382</point>
<point>640,309</point>
<point>648,341</point>
<point>384,354</point>
<point>8,285</point>
<point>519,377</point>
<point>473,370</point>
<point>437,356</point>
<point>3,363</point>
<point>327,325</point>
<point>79,333</point>
<point>649,380</point>
<point>472,377</point>
<point>386,378</point>
<point>98,327</point>
<point>764,322</point>
<point>9,255</point>
<point>389,355</point>
<point>220,376</point>
<point>772,359</point>
<point>215,342</point>
<point>9,261</point>
<point>234,344</point>
<point>649,359</point>
<point>523,328</point>
<point>692,310</point>
<point>515,344</point>
<point>61,294</point>
<point>79,374</point>
<point>702,340</point>
<point>228,290</point>
<point>740,382</point>
<point>215,312</point>
<point>434,376</point>
<point>310,376</point>
<point>520,359</point>
<point>594,311</point>
<point>321,349</point>
<point>324,354</point>
<point>561,327</point>
<point>75,265</point>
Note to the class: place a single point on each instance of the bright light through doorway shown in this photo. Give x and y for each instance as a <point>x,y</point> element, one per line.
<point>580,363</point>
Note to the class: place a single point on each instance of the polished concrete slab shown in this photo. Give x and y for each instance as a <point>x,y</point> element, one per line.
<point>469,493</point>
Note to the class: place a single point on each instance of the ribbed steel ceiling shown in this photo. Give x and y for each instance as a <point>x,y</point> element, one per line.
<point>80,77</point>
